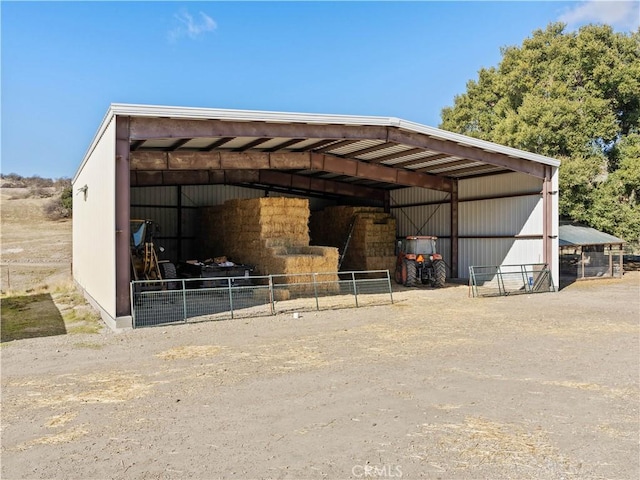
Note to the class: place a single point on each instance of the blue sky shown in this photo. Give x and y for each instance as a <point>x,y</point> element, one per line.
<point>63,63</point>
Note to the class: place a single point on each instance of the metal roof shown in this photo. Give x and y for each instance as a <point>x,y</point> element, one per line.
<point>574,234</point>
<point>376,144</point>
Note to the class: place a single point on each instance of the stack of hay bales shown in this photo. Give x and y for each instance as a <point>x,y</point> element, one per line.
<point>271,234</point>
<point>372,244</point>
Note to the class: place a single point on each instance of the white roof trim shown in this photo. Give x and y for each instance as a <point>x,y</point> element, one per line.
<point>310,118</point>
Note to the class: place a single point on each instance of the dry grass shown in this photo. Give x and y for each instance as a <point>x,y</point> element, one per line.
<point>60,420</point>
<point>65,436</point>
<point>67,390</point>
<point>190,351</point>
<point>478,442</point>
<point>27,236</point>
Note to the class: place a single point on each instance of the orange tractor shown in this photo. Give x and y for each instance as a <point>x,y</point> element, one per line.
<point>418,261</point>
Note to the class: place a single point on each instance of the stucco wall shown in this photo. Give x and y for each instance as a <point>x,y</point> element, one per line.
<point>94,224</point>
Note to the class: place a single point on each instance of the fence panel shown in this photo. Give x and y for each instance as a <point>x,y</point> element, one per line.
<point>497,280</point>
<point>175,301</point>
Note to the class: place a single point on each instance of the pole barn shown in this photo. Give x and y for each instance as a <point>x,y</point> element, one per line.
<point>488,204</point>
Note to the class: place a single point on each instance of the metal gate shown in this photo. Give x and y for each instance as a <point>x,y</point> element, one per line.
<point>497,280</point>
<point>220,298</point>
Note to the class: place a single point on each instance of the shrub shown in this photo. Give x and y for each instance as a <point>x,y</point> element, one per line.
<point>60,207</point>
<point>40,192</point>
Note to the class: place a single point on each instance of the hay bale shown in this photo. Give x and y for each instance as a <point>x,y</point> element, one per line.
<point>269,233</point>
<point>373,234</point>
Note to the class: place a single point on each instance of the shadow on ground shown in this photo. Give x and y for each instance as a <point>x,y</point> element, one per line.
<point>30,316</point>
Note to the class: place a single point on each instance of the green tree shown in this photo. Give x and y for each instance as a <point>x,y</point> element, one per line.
<point>574,96</point>
<point>66,198</point>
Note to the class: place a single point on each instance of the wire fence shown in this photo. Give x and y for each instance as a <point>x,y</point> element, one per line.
<point>581,264</point>
<point>23,276</point>
<point>222,298</point>
<point>501,280</point>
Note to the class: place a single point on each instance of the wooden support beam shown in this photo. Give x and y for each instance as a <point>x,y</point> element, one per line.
<point>290,161</point>
<point>263,160</point>
<point>149,160</point>
<point>148,128</point>
<point>379,173</point>
<point>463,151</point>
<point>153,128</point>
<point>244,160</point>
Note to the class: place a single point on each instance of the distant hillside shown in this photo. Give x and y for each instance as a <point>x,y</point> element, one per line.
<point>57,190</point>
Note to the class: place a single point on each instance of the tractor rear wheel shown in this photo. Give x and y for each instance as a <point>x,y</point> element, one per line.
<point>412,273</point>
<point>439,273</point>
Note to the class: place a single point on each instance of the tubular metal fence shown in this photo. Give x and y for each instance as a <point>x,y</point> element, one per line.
<point>220,298</point>
<point>497,280</point>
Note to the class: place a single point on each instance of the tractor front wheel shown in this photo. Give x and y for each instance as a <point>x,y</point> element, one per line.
<point>168,271</point>
<point>398,275</point>
<point>412,273</point>
<point>439,273</point>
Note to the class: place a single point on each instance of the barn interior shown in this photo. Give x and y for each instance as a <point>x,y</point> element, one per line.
<point>188,176</point>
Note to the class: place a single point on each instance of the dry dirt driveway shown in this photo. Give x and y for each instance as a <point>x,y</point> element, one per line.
<point>437,385</point>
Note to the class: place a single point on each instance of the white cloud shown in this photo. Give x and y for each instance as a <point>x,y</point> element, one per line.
<point>191,27</point>
<point>620,14</point>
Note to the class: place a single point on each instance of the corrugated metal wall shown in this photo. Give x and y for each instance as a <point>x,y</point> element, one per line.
<point>512,216</point>
<point>505,184</point>
<point>517,213</point>
<point>497,251</point>
<point>506,216</point>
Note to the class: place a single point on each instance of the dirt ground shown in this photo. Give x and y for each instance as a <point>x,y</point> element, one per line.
<point>437,385</point>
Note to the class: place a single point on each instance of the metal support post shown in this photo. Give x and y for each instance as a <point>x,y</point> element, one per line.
<point>389,283</point>
<point>184,301</point>
<point>315,290</point>
<point>271,299</point>
<point>133,312</point>
<point>230,297</point>
<point>355,287</point>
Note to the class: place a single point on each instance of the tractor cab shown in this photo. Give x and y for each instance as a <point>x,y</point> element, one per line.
<point>418,245</point>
